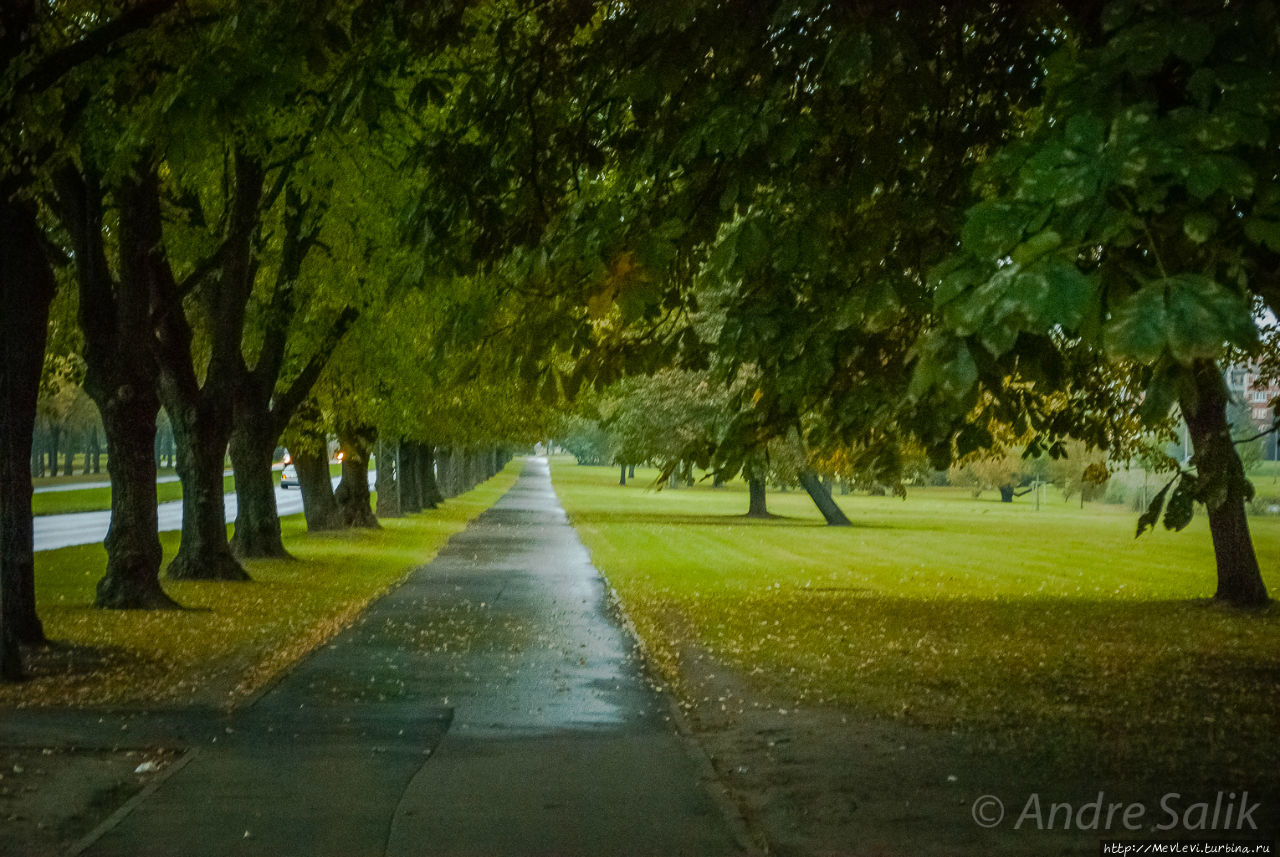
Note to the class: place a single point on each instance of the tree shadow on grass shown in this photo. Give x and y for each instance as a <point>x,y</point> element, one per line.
<point>741,520</point>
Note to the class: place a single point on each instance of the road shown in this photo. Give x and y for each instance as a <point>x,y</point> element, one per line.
<point>86,528</point>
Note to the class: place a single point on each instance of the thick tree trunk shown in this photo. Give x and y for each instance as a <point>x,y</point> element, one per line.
<point>431,495</point>
<point>831,513</point>
<point>756,507</point>
<point>1006,493</point>
<point>257,530</point>
<point>408,471</point>
<point>631,471</point>
<point>387,480</point>
<point>1239,577</point>
<point>26,289</point>
<point>622,479</point>
<point>352,493</point>
<point>120,378</point>
<point>319,507</point>
<point>203,553</point>
<point>447,457</point>
<point>132,580</point>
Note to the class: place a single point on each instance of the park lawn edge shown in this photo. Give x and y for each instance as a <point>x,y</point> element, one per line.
<point>1066,674</point>
<point>232,639</point>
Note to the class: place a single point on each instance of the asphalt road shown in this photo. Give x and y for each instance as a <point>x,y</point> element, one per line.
<point>86,528</point>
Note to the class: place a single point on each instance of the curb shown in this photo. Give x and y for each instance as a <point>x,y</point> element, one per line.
<point>112,821</point>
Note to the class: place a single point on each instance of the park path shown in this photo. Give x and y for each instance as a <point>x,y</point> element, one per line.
<point>490,705</point>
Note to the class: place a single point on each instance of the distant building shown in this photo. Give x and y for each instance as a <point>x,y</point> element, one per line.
<point>1247,386</point>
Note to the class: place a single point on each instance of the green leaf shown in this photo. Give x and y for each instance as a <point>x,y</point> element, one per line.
<point>1148,518</point>
<point>1071,294</point>
<point>1181,506</point>
<point>1199,227</point>
<point>1202,316</point>
<point>1262,231</point>
<point>1036,246</point>
<point>1191,40</point>
<point>1188,315</point>
<point>1137,327</point>
<point>1117,14</point>
<point>992,229</point>
<point>752,245</point>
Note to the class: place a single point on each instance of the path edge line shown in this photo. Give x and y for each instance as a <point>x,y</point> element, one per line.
<point>112,821</point>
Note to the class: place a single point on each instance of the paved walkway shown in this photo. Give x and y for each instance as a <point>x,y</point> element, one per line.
<point>535,735</point>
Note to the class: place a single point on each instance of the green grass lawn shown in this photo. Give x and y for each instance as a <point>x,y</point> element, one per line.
<point>233,637</point>
<point>1046,626</point>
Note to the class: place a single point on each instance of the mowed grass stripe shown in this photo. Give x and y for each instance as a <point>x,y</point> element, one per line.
<point>1053,628</point>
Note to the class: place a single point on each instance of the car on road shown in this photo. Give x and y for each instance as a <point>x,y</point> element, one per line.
<point>289,477</point>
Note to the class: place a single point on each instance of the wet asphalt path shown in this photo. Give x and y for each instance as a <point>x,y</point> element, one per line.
<point>490,705</point>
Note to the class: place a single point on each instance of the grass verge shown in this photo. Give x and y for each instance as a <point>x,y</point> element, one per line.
<point>232,638</point>
<point>1051,630</point>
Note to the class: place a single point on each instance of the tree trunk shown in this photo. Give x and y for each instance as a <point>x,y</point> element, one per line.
<point>431,496</point>
<point>757,507</point>
<point>822,499</point>
<point>622,480</point>
<point>446,479</point>
<point>120,379</point>
<point>203,553</point>
<point>631,471</point>
<point>352,493</point>
<point>55,446</point>
<point>319,507</point>
<point>26,289</point>
<point>388,478</point>
<point>132,580</point>
<point>408,472</point>
<point>1006,493</point>
<point>1239,577</point>
<point>257,530</point>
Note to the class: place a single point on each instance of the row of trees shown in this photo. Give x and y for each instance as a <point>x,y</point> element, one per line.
<point>220,195</point>
<point>950,228</point>
<point>877,228</point>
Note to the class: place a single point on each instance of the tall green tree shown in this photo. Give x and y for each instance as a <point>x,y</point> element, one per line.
<point>1138,219</point>
<point>42,47</point>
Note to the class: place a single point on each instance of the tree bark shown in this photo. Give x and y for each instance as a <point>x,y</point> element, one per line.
<point>430,491</point>
<point>133,546</point>
<point>388,477</point>
<point>426,477</point>
<point>201,414</point>
<point>120,379</point>
<point>26,289</point>
<point>622,480</point>
<point>203,552</point>
<point>757,507</point>
<point>1239,576</point>
<point>407,479</point>
<point>319,507</point>
<point>445,474</point>
<point>257,530</point>
<point>352,493</point>
<point>831,513</point>
<point>55,446</point>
